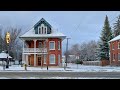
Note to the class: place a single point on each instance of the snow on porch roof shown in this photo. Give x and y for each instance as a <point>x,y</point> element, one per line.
<point>116,38</point>
<point>31,33</point>
<point>3,55</point>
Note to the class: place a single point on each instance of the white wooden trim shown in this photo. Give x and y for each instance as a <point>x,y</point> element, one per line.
<point>45,57</point>
<point>34,54</point>
<point>112,46</point>
<point>23,44</point>
<point>49,45</point>
<point>59,58</point>
<point>113,57</point>
<point>118,56</point>
<point>54,58</point>
<point>58,45</point>
<point>118,45</point>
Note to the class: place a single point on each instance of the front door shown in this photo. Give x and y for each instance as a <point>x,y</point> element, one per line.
<point>39,61</point>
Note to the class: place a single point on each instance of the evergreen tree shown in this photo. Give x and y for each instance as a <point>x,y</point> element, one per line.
<point>116,27</point>
<point>106,36</point>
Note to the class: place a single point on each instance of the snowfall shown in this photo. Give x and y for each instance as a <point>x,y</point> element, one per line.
<point>70,68</point>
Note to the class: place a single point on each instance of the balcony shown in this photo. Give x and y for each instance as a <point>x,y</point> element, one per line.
<point>36,50</point>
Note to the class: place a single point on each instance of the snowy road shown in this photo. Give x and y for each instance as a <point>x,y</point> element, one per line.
<point>59,75</point>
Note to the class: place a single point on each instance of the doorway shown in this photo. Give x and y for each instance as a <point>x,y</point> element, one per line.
<point>39,61</point>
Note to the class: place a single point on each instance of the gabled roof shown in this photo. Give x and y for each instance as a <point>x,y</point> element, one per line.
<point>40,22</point>
<point>116,38</point>
<point>54,33</point>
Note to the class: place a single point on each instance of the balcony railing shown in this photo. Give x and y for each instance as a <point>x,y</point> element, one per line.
<point>37,50</point>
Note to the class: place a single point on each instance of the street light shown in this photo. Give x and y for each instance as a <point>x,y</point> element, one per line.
<point>67,51</point>
<point>7,41</point>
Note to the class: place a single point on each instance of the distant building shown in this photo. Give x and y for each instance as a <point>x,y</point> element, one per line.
<point>43,45</point>
<point>115,51</point>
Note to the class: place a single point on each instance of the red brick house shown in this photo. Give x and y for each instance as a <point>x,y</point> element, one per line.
<point>42,45</point>
<point>115,51</point>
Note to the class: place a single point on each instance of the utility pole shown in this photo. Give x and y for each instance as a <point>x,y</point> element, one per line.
<point>67,50</point>
<point>7,41</point>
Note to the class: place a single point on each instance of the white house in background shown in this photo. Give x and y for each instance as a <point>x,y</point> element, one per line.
<point>3,56</point>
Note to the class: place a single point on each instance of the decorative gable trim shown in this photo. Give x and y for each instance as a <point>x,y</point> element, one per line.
<point>42,21</point>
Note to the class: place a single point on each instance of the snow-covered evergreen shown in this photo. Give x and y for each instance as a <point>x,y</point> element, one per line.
<point>106,36</point>
<point>116,27</point>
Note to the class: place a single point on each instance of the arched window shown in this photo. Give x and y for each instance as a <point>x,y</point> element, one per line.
<point>39,30</point>
<point>42,29</point>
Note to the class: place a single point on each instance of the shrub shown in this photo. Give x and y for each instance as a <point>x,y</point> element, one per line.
<point>79,61</point>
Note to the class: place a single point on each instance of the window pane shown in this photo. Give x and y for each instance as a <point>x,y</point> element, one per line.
<point>52,59</point>
<point>52,45</point>
<point>119,45</point>
<point>58,59</point>
<point>113,46</point>
<point>44,58</point>
<point>59,45</point>
<point>118,56</point>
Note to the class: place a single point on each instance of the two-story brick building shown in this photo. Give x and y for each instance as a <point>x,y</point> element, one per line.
<point>115,51</point>
<point>42,45</point>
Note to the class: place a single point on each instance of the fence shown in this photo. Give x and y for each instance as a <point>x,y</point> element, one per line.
<point>94,63</point>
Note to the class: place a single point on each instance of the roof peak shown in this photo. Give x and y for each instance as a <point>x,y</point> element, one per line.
<point>42,19</point>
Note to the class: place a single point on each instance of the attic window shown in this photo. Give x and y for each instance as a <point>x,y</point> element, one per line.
<point>42,29</point>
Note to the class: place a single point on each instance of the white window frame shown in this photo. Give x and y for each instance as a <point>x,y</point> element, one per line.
<point>54,58</point>
<point>45,57</point>
<point>118,45</point>
<point>38,29</point>
<point>45,30</point>
<point>113,46</point>
<point>59,58</point>
<point>59,46</point>
<point>118,56</point>
<point>113,57</point>
<point>42,31</point>
<point>49,45</point>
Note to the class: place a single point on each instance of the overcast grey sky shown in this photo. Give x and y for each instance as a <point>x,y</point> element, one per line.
<point>80,26</point>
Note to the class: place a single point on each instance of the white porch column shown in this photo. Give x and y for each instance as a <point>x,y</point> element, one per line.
<point>23,56</point>
<point>47,47</point>
<point>26,56</point>
<point>23,45</point>
<point>34,52</point>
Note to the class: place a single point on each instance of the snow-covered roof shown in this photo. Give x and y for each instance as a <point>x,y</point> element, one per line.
<point>31,34</point>
<point>4,55</point>
<point>116,38</point>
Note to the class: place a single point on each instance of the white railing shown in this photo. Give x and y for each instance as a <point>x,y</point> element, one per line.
<point>42,50</point>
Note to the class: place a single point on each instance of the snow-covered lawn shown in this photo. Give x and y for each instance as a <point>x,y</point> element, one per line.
<point>70,68</point>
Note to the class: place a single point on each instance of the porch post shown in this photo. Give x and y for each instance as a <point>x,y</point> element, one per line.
<point>47,59</point>
<point>23,56</point>
<point>35,52</point>
<point>26,59</point>
<point>23,45</point>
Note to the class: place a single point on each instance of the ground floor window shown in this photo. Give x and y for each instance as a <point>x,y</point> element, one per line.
<point>52,59</point>
<point>45,59</point>
<point>113,57</point>
<point>58,59</point>
<point>118,56</point>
